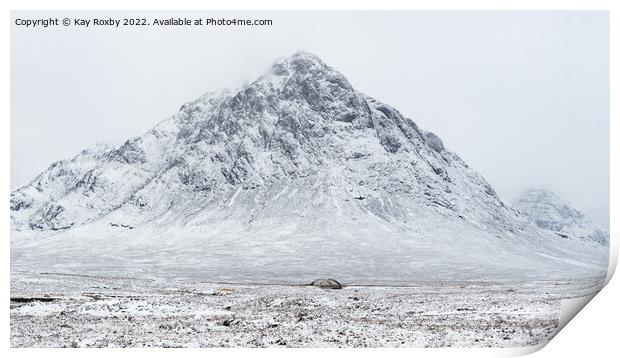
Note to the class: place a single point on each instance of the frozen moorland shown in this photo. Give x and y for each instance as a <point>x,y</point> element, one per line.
<point>79,311</point>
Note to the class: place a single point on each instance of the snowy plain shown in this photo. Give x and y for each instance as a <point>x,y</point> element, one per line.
<point>50,310</point>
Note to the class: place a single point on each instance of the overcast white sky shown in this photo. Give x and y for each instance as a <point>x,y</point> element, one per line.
<point>522,97</point>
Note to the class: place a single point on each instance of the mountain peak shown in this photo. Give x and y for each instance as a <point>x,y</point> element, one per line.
<point>304,67</point>
<point>535,193</point>
<point>299,61</point>
<point>551,212</point>
<point>304,56</point>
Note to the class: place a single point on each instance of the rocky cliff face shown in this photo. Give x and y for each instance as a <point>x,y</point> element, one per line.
<point>552,213</point>
<point>296,173</point>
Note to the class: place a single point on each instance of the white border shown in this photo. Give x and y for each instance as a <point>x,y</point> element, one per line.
<point>594,330</point>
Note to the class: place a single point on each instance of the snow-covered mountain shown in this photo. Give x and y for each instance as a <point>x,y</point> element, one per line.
<point>551,212</point>
<point>293,176</point>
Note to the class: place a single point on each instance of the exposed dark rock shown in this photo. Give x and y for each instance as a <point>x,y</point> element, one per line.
<point>33,299</point>
<point>326,283</point>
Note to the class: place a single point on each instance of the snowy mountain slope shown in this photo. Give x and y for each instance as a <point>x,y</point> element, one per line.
<point>95,181</point>
<point>294,175</point>
<point>551,212</point>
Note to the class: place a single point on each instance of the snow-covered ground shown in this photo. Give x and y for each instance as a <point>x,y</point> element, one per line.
<point>52,310</point>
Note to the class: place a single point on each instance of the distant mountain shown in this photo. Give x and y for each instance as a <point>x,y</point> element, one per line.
<point>551,212</point>
<point>292,177</point>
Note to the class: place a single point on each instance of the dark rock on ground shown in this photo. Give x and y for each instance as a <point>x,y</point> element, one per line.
<point>326,283</point>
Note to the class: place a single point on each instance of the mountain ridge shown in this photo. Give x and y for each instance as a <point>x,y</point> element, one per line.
<point>551,212</point>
